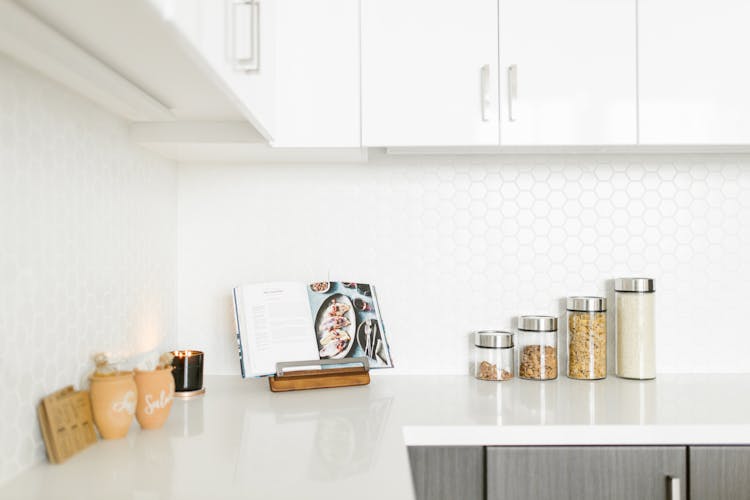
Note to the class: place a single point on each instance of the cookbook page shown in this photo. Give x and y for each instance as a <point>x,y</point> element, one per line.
<point>347,322</point>
<point>274,325</point>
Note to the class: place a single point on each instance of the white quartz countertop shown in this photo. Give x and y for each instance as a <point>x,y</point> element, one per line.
<point>242,441</point>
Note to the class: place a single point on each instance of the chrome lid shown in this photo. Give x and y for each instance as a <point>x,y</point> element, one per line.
<point>642,285</point>
<point>538,323</point>
<point>587,304</point>
<point>493,338</point>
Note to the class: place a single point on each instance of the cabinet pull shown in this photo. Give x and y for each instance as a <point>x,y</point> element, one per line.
<point>674,487</point>
<point>512,91</point>
<point>485,90</point>
<point>244,39</point>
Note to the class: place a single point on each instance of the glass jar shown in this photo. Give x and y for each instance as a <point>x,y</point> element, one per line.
<point>635,327</point>
<point>537,347</point>
<point>587,337</point>
<point>493,355</point>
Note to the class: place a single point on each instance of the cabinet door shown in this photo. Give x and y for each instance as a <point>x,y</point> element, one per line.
<point>317,73</point>
<point>447,473</point>
<point>221,34</point>
<point>423,82</point>
<point>693,71</point>
<point>719,472</point>
<point>585,473</point>
<point>575,72</point>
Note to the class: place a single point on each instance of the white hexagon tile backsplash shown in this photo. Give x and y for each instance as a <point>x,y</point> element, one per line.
<point>461,243</point>
<point>87,249</point>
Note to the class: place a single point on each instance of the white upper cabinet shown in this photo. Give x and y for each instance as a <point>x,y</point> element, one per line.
<point>331,74</point>
<point>317,73</point>
<point>568,72</point>
<point>429,73</point>
<point>235,40</point>
<point>694,75</point>
<point>294,64</point>
<point>278,72</point>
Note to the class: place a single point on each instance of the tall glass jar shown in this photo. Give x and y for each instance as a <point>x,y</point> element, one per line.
<point>587,337</point>
<point>635,322</point>
<point>537,347</point>
<point>493,355</point>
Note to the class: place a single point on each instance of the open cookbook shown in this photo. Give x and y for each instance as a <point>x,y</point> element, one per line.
<point>286,321</point>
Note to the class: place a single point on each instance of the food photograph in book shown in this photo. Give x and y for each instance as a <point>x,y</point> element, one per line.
<point>348,323</point>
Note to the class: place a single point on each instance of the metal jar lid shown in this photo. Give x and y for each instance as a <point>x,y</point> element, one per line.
<point>588,304</point>
<point>538,323</point>
<point>493,339</point>
<point>642,285</point>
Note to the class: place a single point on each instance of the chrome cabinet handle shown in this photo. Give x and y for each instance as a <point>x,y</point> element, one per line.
<point>244,34</point>
<point>512,91</point>
<point>674,487</point>
<point>485,90</point>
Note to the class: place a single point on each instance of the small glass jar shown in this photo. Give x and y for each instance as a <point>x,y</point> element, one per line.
<point>537,347</point>
<point>493,355</point>
<point>635,322</point>
<point>587,338</point>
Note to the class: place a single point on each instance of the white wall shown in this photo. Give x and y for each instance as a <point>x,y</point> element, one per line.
<point>87,249</point>
<point>456,244</point>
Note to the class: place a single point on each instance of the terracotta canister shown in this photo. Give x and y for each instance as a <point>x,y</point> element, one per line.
<point>155,393</point>
<point>113,401</point>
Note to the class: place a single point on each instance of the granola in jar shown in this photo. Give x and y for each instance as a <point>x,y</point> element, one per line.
<point>488,371</point>
<point>587,338</point>
<point>587,345</point>
<point>537,347</point>
<point>493,355</point>
<point>538,362</point>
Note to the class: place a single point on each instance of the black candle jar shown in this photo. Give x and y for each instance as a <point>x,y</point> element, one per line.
<point>188,372</point>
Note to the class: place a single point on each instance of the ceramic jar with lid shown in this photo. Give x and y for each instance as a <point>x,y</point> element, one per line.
<point>635,327</point>
<point>493,355</point>
<point>537,347</point>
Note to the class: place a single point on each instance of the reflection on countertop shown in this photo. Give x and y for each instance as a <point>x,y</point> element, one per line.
<point>566,402</point>
<point>242,441</point>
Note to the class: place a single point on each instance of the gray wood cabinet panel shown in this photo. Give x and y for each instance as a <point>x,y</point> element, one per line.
<point>584,473</point>
<point>448,472</point>
<point>719,472</point>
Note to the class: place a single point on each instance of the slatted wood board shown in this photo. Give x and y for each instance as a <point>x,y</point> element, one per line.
<point>67,423</point>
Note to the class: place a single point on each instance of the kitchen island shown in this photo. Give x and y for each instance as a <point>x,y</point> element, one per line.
<point>242,441</point>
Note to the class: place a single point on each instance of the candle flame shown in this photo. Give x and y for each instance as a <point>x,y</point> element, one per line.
<point>183,354</point>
